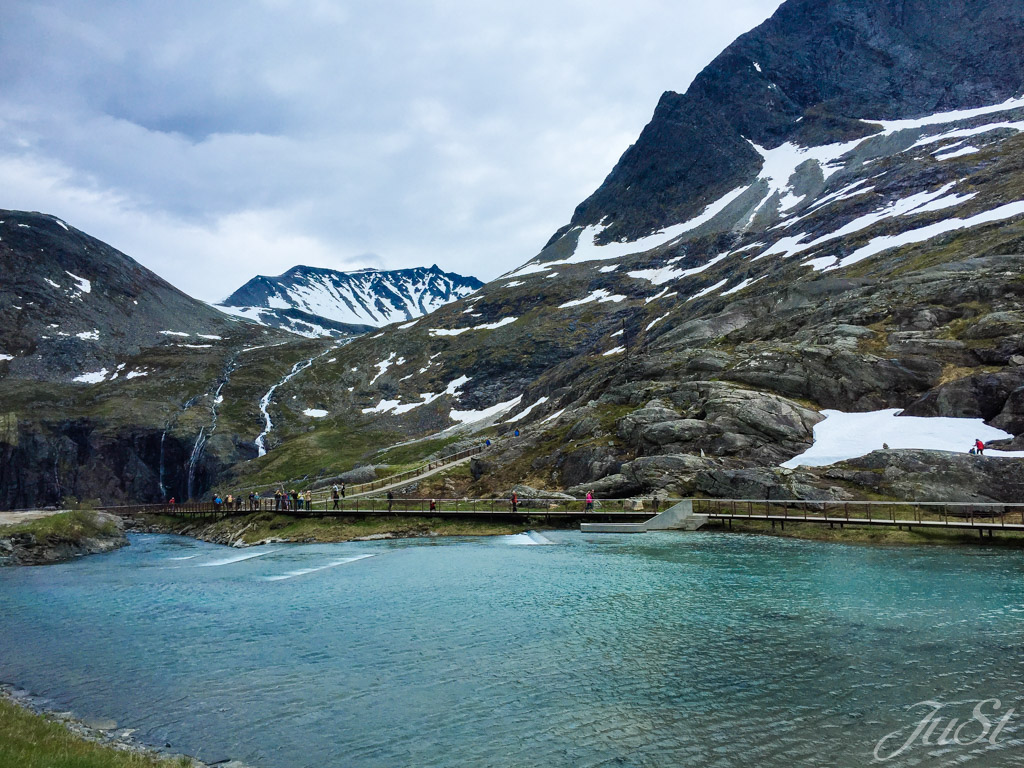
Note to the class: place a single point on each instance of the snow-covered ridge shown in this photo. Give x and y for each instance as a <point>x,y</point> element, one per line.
<point>367,297</point>
<point>787,209</point>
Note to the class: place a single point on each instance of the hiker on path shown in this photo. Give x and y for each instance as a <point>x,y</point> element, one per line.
<point>979,446</point>
<point>343,489</point>
<point>391,500</point>
<point>335,496</point>
<point>590,501</point>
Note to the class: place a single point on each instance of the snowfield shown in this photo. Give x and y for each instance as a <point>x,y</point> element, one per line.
<point>486,327</point>
<point>92,378</point>
<point>468,417</point>
<point>843,436</point>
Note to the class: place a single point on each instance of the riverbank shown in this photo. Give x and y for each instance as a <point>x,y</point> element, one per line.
<point>269,527</point>
<point>32,736</point>
<point>61,536</point>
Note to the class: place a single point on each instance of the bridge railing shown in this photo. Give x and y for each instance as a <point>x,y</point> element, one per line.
<point>609,509</point>
<point>893,512</point>
<point>952,514</point>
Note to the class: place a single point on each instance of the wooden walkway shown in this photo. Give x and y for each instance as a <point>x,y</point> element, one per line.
<point>981,517</point>
<point>931,515</point>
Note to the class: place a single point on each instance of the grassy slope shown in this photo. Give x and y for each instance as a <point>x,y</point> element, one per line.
<point>28,740</point>
<point>64,526</point>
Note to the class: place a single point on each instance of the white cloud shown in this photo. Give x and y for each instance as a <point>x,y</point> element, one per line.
<point>227,140</point>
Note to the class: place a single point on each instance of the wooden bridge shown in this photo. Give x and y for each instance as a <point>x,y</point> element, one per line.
<point>982,517</point>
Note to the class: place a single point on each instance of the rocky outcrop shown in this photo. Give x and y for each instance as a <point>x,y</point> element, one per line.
<point>804,76</point>
<point>40,465</point>
<point>92,533</point>
<point>982,396</point>
<point>932,476</point>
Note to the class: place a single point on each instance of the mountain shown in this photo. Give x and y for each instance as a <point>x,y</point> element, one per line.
<point>111,379</point>
<point>324,302</point>
<point>70,304</point>
<point>828,223</point>
<point>831,217</point>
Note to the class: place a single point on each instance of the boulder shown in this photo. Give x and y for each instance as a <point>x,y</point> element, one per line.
<point>983,396</point>
<point>934,476</point>
<point>1011,417</point>
<point>763,483</point>
<point>996,325</point>
<point>479,467</point>
<point>586,464</point>
<point>533,498</point>
<point>363,474</point>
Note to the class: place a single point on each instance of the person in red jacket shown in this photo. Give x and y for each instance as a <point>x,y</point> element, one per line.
<point>979,446</point>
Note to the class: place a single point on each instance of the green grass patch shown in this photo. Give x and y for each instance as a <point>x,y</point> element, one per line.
<point>413,453</point>
<point>321,452</point>
<point>28,740</point>
<point>64,526</point>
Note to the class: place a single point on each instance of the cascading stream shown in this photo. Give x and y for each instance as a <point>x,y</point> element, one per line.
<point>268,425</point>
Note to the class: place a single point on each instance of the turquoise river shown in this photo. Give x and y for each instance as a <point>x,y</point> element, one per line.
<point>552,649</point>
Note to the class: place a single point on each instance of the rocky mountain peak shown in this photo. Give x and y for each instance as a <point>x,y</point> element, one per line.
<point>811,74</point>
<point>317,301</point>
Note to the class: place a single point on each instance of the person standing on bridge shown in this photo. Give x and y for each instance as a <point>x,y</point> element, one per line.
<point>590,501</point>
<point>391,500</point>
<point>515,502</point>
<point>343,489</point>
<point>335,496</point>
<point>309,500</point>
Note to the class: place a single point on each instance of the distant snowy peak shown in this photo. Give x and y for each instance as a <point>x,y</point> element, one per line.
<point>367,297</point>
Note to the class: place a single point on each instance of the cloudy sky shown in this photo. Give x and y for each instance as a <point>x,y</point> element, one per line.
<point>212,141</point>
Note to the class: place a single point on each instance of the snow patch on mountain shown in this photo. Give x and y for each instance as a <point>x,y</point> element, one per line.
<point>920,235</point>
<point>368,297</point>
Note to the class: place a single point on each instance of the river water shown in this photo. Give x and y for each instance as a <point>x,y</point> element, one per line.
<point>558,649</point>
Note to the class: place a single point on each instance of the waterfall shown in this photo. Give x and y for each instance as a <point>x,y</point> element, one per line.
<point>261,439</point>
<point>197,451</point>
<point>160,472</point>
